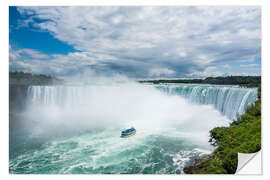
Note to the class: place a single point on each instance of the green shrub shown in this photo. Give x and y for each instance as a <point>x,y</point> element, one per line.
<point>243,135</point>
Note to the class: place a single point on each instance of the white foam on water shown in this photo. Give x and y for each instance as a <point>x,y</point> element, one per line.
<point>88,120</point>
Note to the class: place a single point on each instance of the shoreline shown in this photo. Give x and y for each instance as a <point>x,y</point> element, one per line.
<point>198,163</point>
<point>243,136</point>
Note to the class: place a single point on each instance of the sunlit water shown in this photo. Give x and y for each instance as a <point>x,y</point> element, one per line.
<point>76,129</point>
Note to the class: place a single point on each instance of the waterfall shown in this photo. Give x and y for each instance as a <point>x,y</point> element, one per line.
<point>229,100</point>
<point>85,122</point>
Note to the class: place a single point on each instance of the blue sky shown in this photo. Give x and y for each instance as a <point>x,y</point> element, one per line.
<point>139,42</point>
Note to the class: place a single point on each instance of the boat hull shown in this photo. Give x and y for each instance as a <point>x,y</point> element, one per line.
<point>128,135</point>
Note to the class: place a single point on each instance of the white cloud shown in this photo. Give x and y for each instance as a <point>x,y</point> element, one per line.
<point>226,66</point>
<point>33,61</point>
<point>209,71</point>
<point>242,74</point>
<point>203,59</point>
<point>33,53</point>
<point>185,40</point>
<point>249,65</point>
<point>15,54</point>
<point>250,34</point>
<point>160,71</point>
<point>182,54</point>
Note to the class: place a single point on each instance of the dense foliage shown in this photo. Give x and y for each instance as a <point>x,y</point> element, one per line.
<point>235,80</point>
<point>243,135</point>
<point>191,81</point>
<point>247,81</point>
<point>22,78</point>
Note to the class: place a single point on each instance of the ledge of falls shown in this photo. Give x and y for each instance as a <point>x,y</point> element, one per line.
<point>229,100</point>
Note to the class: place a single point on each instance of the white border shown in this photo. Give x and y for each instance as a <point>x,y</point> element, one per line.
<point>4,80</point>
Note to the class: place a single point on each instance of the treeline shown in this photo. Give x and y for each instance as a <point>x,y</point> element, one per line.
<point>248,81</point>
<point>22,78</point>
<point>243,136</point>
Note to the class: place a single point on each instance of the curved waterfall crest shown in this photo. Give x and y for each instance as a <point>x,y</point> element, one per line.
<point>229,100</point>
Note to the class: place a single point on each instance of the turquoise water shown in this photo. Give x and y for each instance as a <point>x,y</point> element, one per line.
<point>105,152</point>
<point>76,130</point>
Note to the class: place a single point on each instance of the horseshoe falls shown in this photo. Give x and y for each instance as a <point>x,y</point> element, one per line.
<point>76,129</point>
<point>229,100</point>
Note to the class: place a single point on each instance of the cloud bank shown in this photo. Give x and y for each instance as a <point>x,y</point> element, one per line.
<point>145,42</point>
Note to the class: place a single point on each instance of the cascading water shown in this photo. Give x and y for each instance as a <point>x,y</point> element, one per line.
<point>230,101</point>
<point>76,129</point>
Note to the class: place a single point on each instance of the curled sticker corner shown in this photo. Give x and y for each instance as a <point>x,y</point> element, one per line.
<point>249,163</point>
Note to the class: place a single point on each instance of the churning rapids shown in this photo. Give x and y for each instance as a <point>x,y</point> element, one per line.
<point>75,129</point>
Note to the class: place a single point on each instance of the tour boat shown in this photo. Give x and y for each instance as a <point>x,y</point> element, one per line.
<point>128,132</point>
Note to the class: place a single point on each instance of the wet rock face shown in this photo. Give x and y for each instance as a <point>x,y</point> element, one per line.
<point>197,165</point>
<point>17,97</point>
